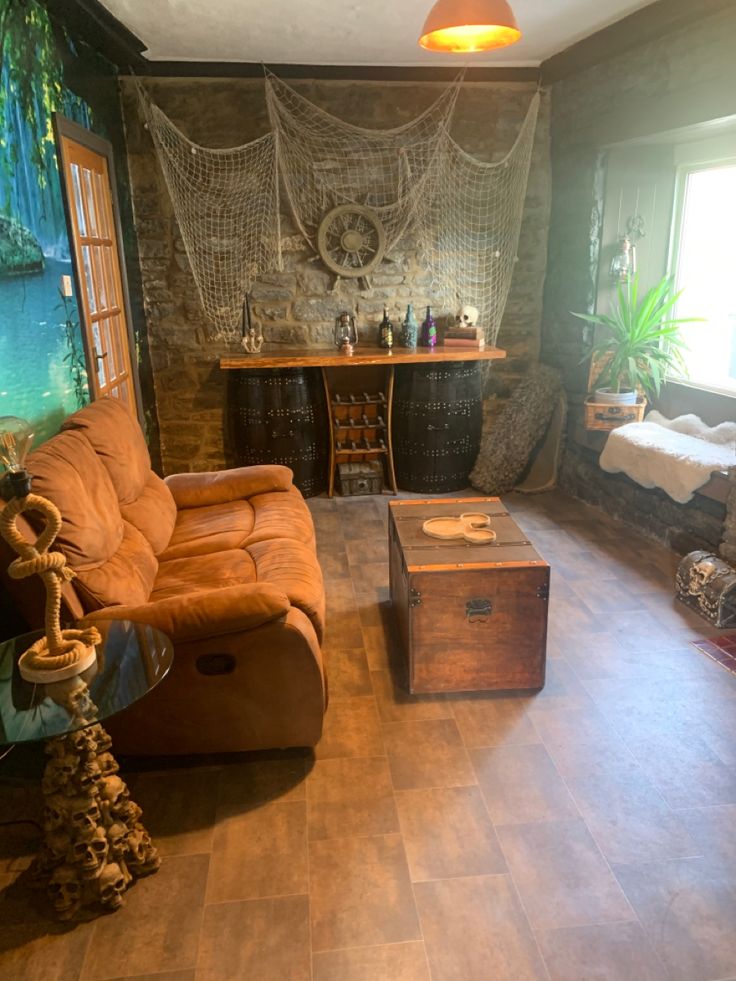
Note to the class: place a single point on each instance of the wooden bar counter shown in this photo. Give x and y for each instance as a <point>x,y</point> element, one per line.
<point>429,437</point>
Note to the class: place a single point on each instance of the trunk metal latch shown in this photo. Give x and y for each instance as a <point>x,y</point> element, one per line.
<point>415,597</point>
<point>478,609</point>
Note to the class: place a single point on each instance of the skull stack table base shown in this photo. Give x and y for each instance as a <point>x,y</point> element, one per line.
<point>94,844</point>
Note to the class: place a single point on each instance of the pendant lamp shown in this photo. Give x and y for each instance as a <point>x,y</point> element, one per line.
<point>469,25</point>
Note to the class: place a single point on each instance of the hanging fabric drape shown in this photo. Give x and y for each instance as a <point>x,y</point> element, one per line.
<point>465,213</point>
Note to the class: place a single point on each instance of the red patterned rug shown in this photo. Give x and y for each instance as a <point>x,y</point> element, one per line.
<point>721,649</point>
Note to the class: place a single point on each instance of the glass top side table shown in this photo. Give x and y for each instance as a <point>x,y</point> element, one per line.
<point>94,843</point>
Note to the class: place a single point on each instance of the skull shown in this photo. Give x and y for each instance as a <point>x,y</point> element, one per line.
<point>85,815</point>
<point>58,773</point>
<point>108,764</point>
<point>114,796</point>
<point>82,742</point>
<point>65,891</point>
<point>103,743</point>
<point>88,775</point>
<point>80,705</point>
<point>117,835</point>
<point>112,886</point>
<point>142,857</point>
<point>54,813</point>
<point>700,573</point>
<point>90,854</point>
<point>52,853</point>
<point>467,316</point>
<point>129,813</point>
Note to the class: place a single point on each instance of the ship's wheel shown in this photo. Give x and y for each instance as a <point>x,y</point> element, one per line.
<point>351,240</point>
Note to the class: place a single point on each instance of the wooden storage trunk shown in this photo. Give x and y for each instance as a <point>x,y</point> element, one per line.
<point>355,479</point>
<point>471,617</point>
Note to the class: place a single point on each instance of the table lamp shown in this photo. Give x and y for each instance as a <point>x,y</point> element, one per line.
<point>59,654</point>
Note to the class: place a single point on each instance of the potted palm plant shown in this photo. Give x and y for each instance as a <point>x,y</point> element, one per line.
<point>641,344</point>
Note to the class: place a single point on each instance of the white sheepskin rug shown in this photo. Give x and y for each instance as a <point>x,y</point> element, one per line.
<point>678,455</point>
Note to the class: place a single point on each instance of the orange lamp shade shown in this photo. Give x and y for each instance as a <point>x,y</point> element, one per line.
<point>469,25</point>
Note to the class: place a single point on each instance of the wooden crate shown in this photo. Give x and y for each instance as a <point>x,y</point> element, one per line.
<point>603,415</point>
<point>471,617</point>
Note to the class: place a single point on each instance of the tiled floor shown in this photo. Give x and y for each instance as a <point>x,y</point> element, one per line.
<point>585,832</point>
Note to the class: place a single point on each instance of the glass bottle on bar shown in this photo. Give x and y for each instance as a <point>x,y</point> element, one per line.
<point>409,328</point>
<point>386,331</point>
<point>429,331</point>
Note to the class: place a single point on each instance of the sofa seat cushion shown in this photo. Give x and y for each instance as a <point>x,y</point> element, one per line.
<point>198,573</point>
<point>199,531</point>
<point>282,514</point>
<point>292,567</point>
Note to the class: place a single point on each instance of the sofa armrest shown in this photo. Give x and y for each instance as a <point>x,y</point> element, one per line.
<point>210,613</point>
<point>195,490</point>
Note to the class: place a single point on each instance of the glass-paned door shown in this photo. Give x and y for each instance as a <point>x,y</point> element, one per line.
<point>94,234</point>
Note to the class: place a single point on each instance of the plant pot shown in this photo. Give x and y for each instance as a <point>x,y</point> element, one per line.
<point>626,396</point>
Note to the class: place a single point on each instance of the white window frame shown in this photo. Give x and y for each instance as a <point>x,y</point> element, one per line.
<point>708,155</point>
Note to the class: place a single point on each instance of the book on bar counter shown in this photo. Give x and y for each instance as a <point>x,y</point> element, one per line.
<point>477,345</point>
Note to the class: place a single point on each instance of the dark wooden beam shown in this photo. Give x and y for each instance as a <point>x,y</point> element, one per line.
<point>377,73</point>
<point>90,22</point>
<point>648,24</point>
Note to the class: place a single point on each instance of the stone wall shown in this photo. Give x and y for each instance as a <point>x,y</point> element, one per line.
<point>295,306</point>
<point>684,78</point>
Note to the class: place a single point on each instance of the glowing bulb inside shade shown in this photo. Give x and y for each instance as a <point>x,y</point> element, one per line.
<point>16,437</point>
<point>465,26</point>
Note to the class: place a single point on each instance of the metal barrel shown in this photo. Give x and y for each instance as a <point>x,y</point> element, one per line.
<point>437,420</point>
<point>279,415</point>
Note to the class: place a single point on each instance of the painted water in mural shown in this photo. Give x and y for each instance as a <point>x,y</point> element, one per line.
<point>41,364</point>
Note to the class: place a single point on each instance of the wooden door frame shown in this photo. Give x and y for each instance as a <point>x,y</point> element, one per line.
<point>64,127</point>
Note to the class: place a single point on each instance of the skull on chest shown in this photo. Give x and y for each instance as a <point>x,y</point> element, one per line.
<point>700,574</point>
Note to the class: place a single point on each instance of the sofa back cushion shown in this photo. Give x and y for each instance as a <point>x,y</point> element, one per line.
<point>94,537</point>
<point>145,500</point>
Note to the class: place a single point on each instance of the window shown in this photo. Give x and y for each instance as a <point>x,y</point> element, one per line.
<point>705,269</point>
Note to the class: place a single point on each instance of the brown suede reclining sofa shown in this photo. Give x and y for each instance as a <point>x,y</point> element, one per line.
<point>224,563</point>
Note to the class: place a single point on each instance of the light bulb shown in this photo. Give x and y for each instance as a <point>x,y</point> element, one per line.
<point>16,437</point>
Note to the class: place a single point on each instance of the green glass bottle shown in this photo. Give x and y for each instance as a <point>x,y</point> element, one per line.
<point>386,331</point>
<point>409,328</point>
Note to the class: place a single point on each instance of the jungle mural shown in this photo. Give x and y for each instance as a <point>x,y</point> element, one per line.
<point>42,367</point>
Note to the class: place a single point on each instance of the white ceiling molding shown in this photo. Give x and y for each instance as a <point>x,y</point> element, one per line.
<point>346,32</point>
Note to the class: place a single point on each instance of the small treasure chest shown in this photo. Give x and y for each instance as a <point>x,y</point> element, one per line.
<point>708,585</point>
<point>365,477</point>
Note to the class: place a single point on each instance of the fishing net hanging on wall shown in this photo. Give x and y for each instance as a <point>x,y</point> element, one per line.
<point>466,214</point>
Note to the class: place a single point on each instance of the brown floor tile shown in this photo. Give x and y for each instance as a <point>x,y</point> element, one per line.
<point>427,754</point>
<point>351,728</point>
<point>259,938</point>
<point>628,818</point>
<point>610,952</point>
<point>562,690</point>
<point>395,962</point>
<point>475,929</point>
<point>360,893</point>
<point>688,909</point>
<point>447,833</point>
<point>520,785</point>
<point>347,673</point>
<point>244,786</point>
<point>383,646</point>
<point>333,562</point>
<point>606,595</point>
<point>343,630</point>
<point>158,927</point>
<point>367,550</point>
<point>178,808</point>
<point>561,876</point>
<point>349,797</point>
<point>713,829</point>
<point>494,720</point>
<point>396,704</point>
<point>42,951</point>
<point>259,854</point>
<point>579,739</point>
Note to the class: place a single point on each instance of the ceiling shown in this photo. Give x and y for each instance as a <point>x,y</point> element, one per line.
<point>345,32</point>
